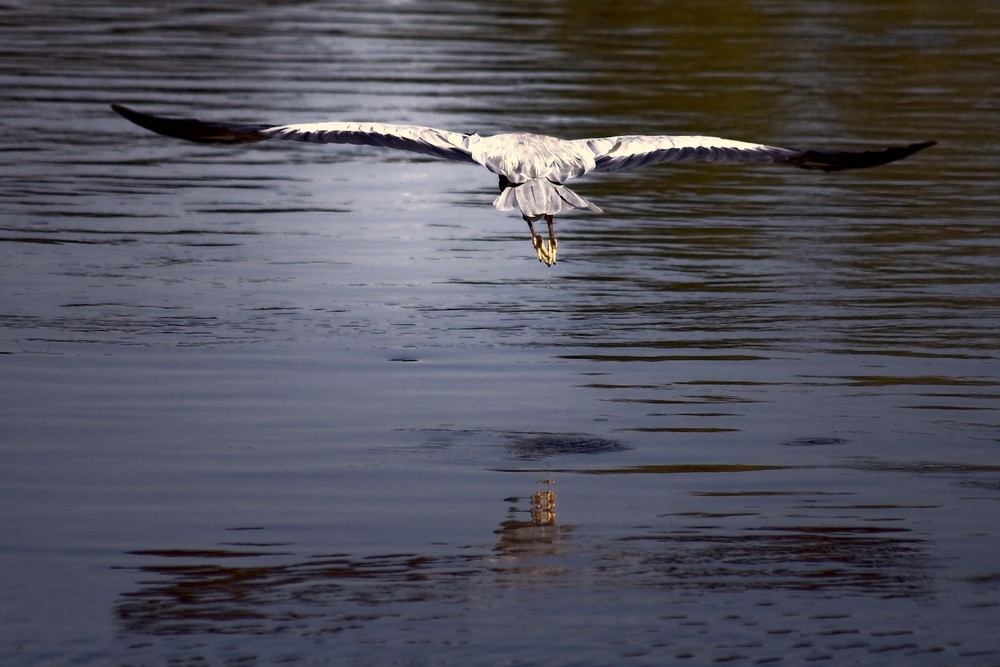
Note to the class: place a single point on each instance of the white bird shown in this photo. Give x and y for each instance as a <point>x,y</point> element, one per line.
<point>532,167</point>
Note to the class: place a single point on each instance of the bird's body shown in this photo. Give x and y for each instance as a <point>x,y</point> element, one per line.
<point>532,168</point>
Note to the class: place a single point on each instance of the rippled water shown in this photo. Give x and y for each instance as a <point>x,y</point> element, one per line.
<point>320,405</point>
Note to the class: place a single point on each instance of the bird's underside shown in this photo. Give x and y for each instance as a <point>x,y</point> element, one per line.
<point>532,168</point>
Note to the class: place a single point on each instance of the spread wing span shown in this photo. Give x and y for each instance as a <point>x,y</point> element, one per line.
<point>533,168</point>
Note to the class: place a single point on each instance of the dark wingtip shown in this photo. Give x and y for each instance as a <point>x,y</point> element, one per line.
<point>193,129</point>
<point>840,160</point>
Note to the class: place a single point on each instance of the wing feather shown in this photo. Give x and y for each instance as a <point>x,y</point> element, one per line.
<point>839,160</point>
<point>193,129</point>
<point>633,152</point>
<point>413,138</point>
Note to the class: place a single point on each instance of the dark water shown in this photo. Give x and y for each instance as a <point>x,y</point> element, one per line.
<point>289,404</point>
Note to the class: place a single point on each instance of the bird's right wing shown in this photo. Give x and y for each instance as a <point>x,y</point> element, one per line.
<point>633,152</point>
<point>413,138</point>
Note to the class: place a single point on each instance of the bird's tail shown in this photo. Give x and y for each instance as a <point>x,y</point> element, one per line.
<point>539,197</point>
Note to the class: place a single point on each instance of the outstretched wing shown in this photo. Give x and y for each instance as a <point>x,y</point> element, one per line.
<point>425,140</point>
<point>632,152</point>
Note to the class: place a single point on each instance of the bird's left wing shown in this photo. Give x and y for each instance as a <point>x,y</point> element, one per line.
<point>632,152</point>
<point>425,140</point>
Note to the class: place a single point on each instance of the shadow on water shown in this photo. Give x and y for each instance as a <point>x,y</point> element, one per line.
<point>237,591</point>
<point>542,446</point>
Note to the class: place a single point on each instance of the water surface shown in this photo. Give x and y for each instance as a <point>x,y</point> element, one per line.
<point>320,405</point>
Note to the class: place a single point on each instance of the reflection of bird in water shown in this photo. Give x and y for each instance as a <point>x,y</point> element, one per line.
<point>532,167</point>
<point>521,540</point>
<point>543,508</point>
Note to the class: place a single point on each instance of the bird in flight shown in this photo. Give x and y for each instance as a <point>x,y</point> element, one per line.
<point>533,168</point>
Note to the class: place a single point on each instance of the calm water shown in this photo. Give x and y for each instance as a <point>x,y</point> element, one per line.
<point>320,405</point>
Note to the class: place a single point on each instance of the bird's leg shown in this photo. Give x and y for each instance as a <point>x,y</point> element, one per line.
<point>553,244</point>
<point>546,248</point>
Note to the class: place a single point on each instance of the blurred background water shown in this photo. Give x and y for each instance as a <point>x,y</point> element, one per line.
<point>321,405</point>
